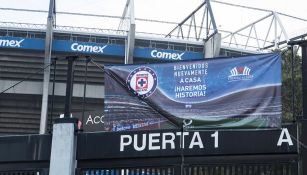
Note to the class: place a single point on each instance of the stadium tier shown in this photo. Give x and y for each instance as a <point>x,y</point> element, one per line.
<point>22,59</point>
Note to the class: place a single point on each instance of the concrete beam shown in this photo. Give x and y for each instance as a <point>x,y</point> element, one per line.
<point>213,46</point>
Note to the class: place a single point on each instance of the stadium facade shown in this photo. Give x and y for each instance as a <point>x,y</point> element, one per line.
<point>35,67</point>
<point>22,59</point>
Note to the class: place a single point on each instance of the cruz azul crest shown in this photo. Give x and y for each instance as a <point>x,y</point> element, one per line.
<point>142,81</point>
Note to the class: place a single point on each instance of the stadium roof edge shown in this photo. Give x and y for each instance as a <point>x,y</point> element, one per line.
<point>113,35</point>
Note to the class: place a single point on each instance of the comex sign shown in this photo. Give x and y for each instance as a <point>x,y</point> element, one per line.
<point>10,43</point>
<point>166,55</point>
<point>87,48</point>
<point>96,48</point>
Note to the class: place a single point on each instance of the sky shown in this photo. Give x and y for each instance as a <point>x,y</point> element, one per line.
<point>227,17</point>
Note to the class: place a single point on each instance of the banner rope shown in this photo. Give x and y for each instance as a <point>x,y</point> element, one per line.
<point>27,77</point>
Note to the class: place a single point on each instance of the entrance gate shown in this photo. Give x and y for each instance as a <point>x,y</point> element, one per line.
<point>236,153</point>
<point>248,152</point>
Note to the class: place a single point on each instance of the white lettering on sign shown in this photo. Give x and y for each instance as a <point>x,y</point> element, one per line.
<point>216,139</point>
<point>94,120</point>
<point>125,140</point>
<point>163,141</point>
<point>169,141</point>
<point>87,48</point>
<point>182,137</point>
<point>166,55</point>
<point>287,139</point>
<point>153,140</point>
<point>135,143</point>
<point>196,141</point>
<point>11,43</point>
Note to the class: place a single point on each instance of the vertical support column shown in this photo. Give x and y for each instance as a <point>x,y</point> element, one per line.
<point>64,140</point>
<point>275,32</point>
<point>69,85</point>
<point>131,34</point>
<point>303,135</point>
<point>47,61</point>
<point>213,46</point>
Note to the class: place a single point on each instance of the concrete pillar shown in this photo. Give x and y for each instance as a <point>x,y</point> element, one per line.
<point>213,46</point>
<point>63,149</point>
<point>47,62</point>
<point>129,48</point>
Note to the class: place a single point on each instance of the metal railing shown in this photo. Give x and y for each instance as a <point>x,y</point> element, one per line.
<point>218,169</point>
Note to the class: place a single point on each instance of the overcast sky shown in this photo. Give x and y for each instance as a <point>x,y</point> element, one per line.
<point>227,17</point>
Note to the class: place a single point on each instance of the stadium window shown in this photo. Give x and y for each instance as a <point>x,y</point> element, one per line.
<point>161,45</point>
<point>120,41</point>
<point>2,33</point>
<point>198,49</point>
<point>190,48</point>
<point>9,33</point>
<point>102,40</point>
<point>142,43</point>
<point>73,38</point>
<point>171,46</point>
<point>180,47</point>
<point>152,44</point>
<point>92,39</point>
<point>113,41</point>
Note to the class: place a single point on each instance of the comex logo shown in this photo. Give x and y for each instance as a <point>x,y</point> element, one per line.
<point>11,43</point>
<point>87,48</point>
<point>142,81</point>
<point>166,55</point>
<point>240,73</point>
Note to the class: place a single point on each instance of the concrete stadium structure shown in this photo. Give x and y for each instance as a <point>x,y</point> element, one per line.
<point>26,49</point>
<point>33,95</point>
<point>23,49</point>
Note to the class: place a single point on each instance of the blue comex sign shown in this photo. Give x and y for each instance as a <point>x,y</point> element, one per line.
<point>22,43</point>
<point>63,46</point>
<point>89,48</point>
<point>166,54</point>
<point>7,42</point>
<point>98,49</point>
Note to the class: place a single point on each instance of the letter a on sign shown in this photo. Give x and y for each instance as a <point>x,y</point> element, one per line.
<point>284,132</point>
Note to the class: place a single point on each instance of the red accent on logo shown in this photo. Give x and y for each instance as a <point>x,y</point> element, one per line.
<point>240,70</point>
<point>141,83</point>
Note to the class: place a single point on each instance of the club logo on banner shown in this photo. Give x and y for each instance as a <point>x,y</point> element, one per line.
<point>142,81</point>
<point>240,73</point>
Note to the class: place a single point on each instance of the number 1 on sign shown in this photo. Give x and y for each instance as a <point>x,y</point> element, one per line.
<point>216,139</point>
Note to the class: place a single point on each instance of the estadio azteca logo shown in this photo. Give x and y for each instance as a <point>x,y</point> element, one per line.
<point>240,73</point>
<point>142,81</point>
